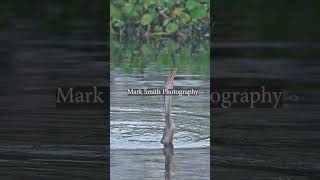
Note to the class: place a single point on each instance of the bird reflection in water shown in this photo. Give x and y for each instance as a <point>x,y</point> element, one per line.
<point>168,151</point>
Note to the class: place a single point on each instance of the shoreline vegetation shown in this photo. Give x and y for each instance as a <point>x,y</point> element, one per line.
<point>160,18</point>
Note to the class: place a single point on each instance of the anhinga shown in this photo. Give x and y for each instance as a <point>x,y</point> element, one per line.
<point>170,126</point>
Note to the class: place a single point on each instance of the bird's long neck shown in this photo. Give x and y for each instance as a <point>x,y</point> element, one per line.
<point>168,99</point>
<point>170,126</point>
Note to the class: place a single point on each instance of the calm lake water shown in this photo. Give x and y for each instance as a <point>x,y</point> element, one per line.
<point>138,121</point>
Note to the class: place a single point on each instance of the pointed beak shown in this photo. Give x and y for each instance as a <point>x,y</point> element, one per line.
<point>169,82</point>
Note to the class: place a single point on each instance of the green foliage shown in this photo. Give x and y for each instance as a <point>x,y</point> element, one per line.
<point>160,17</point>
<point>172,27</point>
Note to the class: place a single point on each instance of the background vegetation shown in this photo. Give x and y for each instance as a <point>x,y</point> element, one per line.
<point>160,17</point>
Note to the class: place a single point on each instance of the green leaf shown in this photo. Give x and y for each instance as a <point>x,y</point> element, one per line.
<point>127,9</point>
<point>192,4</point>
<point>146,19</point>
<point>198,13</point>
<point>172,27</point>
<point>185,18</point>
<point>148,3</point>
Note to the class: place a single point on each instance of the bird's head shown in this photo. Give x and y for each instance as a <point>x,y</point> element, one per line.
<point>168,84</point>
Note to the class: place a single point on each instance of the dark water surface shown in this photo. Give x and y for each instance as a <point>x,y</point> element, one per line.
<point>268,143</point>
<point>272,43</point>
<point>40,49</point>
<point>186,164</point>
<point>257,48</point>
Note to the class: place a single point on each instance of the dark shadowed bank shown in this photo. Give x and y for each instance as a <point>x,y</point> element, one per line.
<point>43,45</point>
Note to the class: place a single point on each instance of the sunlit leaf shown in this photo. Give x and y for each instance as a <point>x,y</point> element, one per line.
<point>172,27</point>
<point>185,18</point>
<point>176,12</point>
<point>146,19</point>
